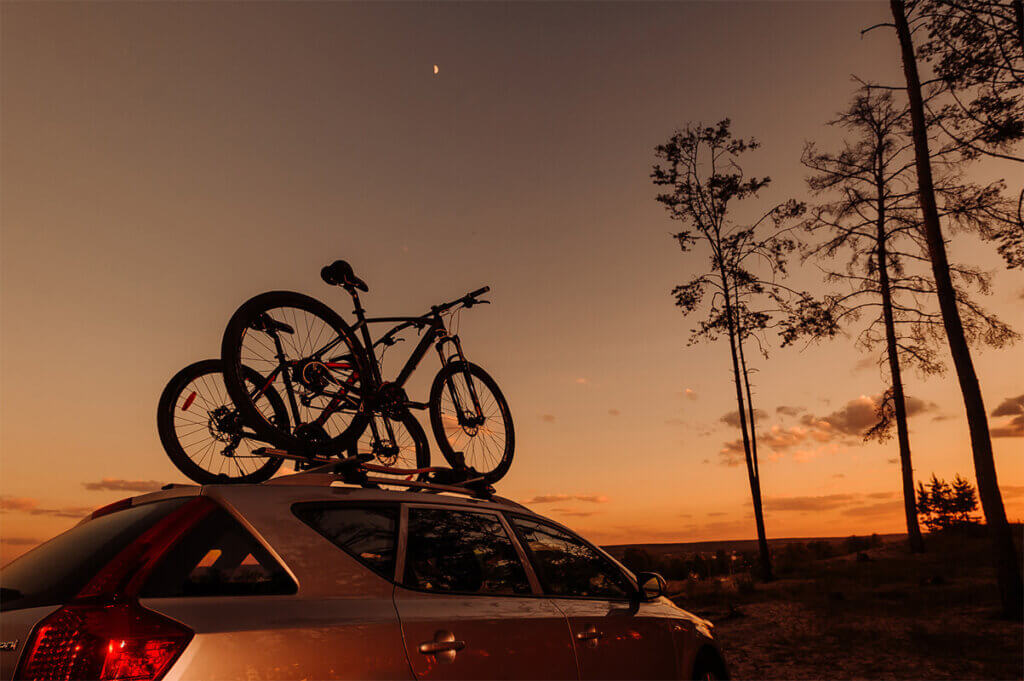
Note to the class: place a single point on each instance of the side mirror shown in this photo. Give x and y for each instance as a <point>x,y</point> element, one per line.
<point>652,585</point>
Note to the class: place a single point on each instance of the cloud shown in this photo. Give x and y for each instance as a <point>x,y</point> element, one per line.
<point>547,418</point>
<point>865,363</point>
<point>808,438</point>
<point>810,503</point>
<point>839,475</point>
<point>31,506</point>
<point>733,418</point>
<point>1013,407</point>
<point>881,508</point>
<point>690,394</point>
<point>614,412</point>
<point>848,504</point>
<point>1012,491</point>
<point>19,541</point>
<point>556,498</point>
<point>119,485</point>
<point>892,460</point>
<point>573,512</point>
<point>789,411</point>
<point>581,381</point>
<point>716,514</point>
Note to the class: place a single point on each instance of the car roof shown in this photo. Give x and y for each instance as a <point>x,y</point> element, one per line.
<point>333,487</point>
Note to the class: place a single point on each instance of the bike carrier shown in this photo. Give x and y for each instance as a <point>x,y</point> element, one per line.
<point>354,470</point>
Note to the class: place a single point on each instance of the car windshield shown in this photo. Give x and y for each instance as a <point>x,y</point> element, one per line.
<point>54,572</point>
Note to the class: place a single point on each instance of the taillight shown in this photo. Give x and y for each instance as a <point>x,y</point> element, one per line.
<point>118,641</point>
<point>104,633</point>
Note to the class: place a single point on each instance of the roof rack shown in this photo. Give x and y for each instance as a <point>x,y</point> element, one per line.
<point>356,470</point>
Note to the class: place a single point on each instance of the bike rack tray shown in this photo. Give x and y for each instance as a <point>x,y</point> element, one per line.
<point>354,470</point>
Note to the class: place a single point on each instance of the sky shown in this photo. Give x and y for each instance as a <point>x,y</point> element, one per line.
<point>161,163</point>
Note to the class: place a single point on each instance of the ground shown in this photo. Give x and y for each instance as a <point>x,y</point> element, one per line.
<point>886,614</point>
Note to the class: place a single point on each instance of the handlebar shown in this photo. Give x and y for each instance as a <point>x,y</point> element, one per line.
<point>468,300</point>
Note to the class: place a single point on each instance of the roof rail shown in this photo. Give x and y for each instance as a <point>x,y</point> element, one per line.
<point>353,470</point>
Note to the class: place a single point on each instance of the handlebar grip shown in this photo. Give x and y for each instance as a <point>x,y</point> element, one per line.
<point>479,292</point>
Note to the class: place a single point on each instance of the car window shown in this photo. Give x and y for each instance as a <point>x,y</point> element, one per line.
<point>218,557</point>
<point>568,566</point>
<point>368,534</point>
<point>463,552</point>
<point>57,570</point>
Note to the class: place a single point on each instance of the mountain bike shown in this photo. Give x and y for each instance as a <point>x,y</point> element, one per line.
<point>206,438</point>
<point>332,384</point>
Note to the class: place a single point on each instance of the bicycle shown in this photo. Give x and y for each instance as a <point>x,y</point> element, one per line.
<point>332,382</point>
<point>206,438</point>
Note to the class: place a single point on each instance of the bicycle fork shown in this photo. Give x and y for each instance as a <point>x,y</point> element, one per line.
<point>460,356</point>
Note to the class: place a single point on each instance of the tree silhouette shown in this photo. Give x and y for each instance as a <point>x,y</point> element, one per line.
<point>870,216</point>
<point>944,506</point>
<point>976,50</point>
<point>1011,586</point>
<point>702,179</point>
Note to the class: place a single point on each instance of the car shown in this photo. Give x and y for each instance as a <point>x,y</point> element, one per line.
<point>308,577</point>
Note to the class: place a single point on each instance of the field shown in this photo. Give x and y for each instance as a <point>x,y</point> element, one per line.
<point>882,613</point>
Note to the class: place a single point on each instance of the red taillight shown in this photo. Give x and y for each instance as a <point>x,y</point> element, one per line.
<point>105,633</point>
<point>120,641</point>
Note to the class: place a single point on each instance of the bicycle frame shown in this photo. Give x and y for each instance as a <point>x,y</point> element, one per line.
<point>436,335</point>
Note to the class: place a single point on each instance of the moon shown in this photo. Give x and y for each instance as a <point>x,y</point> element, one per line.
<point>436,69</point>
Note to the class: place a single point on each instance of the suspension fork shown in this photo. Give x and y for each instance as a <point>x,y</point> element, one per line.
<point>459,356</point>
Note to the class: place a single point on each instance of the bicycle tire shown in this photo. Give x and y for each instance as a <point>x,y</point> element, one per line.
<point>421,455</point>
<point>232,347</point>
<point>171,439</point>
<point>438,423</point>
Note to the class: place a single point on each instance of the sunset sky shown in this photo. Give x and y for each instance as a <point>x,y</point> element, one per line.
<point>161,163</point>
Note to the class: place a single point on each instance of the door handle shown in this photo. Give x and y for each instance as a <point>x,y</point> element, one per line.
<point>443,647</point>
<point>590,636</point>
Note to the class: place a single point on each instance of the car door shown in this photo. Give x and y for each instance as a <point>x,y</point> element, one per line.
<point>616,635</point>
<point>468,607</point>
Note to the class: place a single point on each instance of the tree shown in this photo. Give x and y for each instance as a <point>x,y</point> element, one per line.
<point>869,215</point>
<point>702,179</point>
<point>1011,586</point>
<point>976,51</point>
<point>944,507</point>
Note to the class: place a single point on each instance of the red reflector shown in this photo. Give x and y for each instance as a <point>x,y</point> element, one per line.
<point>123,641</point>
<point>188,401</point>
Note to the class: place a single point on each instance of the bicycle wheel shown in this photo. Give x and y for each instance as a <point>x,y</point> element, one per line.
<point>485,437</point>
<point>394,442</point>
<point>308,355</point>
<point>201,430</point>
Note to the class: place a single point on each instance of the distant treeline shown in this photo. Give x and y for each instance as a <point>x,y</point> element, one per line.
<point>722,562</point>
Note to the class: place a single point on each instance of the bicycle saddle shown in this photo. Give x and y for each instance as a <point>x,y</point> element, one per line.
<point>339,273</point>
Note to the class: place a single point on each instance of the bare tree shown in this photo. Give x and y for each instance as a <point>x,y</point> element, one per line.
<point>702,179</point>
<point>870,215</point>
<point>1011,585</point>
<point>976,51</point>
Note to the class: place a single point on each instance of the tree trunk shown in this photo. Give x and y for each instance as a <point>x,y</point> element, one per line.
<point>755,486</point>
<point>755,490</point>
<point>898,399</point>
<point>1011,587</point>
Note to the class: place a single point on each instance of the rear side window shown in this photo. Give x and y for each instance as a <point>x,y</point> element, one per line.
<point>56,571</point>
<point>461,552</point>
<point>368,534</point>
<point>218,557</point>
<point>567,565</point>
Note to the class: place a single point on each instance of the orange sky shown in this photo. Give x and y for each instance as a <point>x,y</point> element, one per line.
<point>163,162</point>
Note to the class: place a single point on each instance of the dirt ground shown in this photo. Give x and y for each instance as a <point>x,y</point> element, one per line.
<point>893,616</point>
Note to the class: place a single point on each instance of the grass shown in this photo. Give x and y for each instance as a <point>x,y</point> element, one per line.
<point>894,616</point>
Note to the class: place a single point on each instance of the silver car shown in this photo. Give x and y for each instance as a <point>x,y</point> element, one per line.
<point>304,577</point>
